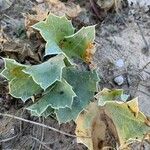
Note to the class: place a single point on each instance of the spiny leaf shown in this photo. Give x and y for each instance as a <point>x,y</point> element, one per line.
<point>12,69</point>
<point>84,84</point>
<point>47,73</point>
<point>123,121</point>
<point>58,32</point>
<point>53,30</point>
<point>59,95</point>
<point>108,95</point>
<point>21,85</point>
<point>67,114</point>
<point>45,114</point>
<point>77,45</point>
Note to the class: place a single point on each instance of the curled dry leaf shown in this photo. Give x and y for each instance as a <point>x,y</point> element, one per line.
<point>30,20</point>
<point>59,8</point>
<point>19,50</point>
<point>106,5</point>
<point>97,128</point>
<point>111,125</point>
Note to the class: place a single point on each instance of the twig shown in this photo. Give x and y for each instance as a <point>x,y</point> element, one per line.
<point>94,7</point>
<point>144,92</point>
<point>8,139</point>
<point>140,80</point>
<point>43,125</point>
<point>41,143</point>
<point>42,135</point>
<point>145,42</point>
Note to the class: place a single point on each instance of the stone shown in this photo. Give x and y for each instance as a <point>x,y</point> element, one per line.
<point>119,80</point>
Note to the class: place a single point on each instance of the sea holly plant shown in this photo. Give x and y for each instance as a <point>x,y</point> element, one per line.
<point>67,90</point>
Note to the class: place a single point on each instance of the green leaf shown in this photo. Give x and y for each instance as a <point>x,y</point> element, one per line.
<point>47,73</point>
<point>67,114</point>
<point>108,95</point>
<point>53,30</point>
<point>84,84</point>
<point>77,45</point>
<point>12,69</point>
<point>59,95</point>
<point>58,32</point>
<point>21,85</point>
<point>49,111</point>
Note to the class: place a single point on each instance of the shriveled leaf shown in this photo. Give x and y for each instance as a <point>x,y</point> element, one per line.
<point>19,49</point>
<point>59,95</point>
<point>84,125</point>
<point>117,120</point>
<point>95,128</point>
<point>108,95</point>
<point>79,44</point>
<point>84,84</point>
<point>47,73</point>
<point>109,4</point>
<point>53,30</point>
<point>129,121</point>
<point>21,85</point>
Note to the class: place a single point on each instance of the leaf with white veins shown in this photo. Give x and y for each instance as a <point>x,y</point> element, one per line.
<point>53,30</point>
<point>78,44</point>
<point>21,85</point>
<point>47,73</point>
<point>84,84</point>
<point>59,95</point>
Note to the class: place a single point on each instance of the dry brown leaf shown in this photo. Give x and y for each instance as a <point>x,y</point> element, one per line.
<point>111,125</point>
<point>20,49</point>
<point>109,4</point>
<point>101,132</point>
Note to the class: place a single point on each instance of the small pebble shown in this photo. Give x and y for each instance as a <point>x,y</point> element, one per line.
<point>12,131</point>
<point>119,63</point>
<point>119,80</point>
<point>40,1</point>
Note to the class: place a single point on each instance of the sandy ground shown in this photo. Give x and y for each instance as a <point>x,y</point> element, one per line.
<point>124,36</point>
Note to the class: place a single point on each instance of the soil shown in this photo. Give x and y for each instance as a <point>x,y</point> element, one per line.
<point>124,35</point>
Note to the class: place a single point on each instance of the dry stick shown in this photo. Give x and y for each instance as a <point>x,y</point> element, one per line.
<point>41,143</point>
<point>42,136</point>
<point>95,8</point>
<point>43,125</point>
<point>140,80</point>
<point>145,42</point>
<point>8,139</point>
<point>39,124</point>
